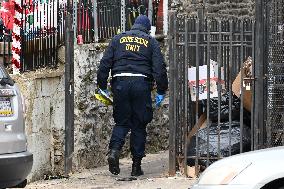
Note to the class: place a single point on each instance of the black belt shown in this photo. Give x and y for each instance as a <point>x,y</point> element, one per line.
<point>130,78</point>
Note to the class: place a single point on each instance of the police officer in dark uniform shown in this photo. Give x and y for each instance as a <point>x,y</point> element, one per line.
<point>135,60</point>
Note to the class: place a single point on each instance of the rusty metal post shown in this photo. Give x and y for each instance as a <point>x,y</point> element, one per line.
<point>69,94</point>
<point>259,72</point>
<point>172,85</point>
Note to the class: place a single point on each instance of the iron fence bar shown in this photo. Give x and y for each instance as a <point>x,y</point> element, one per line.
<point>54,36</point>
<point>185,83</point>
<point>4,47</point>
<point>175,82</point>
<point>110,22</point>
<point>75,17</point>
<point>150,11</point>
<point>123,16</point>
<point>95,13</point>
<point>179,89</point>
<point>230,87</point>
<point>58,29</point>
<point>80,18</point>
<point>269,121</point>
<point>208,88</point>
<point>219,60</point>
<point>172,92</point>
<point>265,71</point>
<point>55,9</point>
<point>100,21</point>
<point>21,34</point>
<point>47,34</point>
<point>104,22</point>
<point>37,34</point>
<point>253,125</point>
<point>180,117</point>
<point>86,22</point>
<point>118,20</point>
<point>107,21</point>
<point>45,52</point>
<point>242,89</point>
<point>40,39</point>
<point>197,92</point>
<point>10,47</point>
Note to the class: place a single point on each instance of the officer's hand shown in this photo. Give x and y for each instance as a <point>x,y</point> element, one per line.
<point>159,99</point>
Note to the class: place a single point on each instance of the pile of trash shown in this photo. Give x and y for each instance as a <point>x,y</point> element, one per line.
<point>224,138</point>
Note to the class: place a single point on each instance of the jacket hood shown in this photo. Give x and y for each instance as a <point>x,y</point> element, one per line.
<point>140,27</point>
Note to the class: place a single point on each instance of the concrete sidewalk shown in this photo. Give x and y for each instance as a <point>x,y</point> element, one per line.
<point>155,168</point>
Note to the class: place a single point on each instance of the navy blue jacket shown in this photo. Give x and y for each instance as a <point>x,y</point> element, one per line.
<point>134,51</point>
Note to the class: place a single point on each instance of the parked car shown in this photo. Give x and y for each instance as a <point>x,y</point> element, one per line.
<point>261,169</point>
<point>15,161</point>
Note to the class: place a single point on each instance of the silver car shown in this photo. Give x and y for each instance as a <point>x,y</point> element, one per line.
<point>261,169</point>
<point>15,161</point>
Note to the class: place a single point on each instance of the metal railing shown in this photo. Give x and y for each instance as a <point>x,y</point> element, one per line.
<point>211,90</point>
<point>43,26</point>
<point>40,35</point>
<point>109,19</point>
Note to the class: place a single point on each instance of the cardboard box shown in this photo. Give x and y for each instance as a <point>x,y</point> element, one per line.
<point>237,84</point>
<point>201,123</point>
<point>203,81</point>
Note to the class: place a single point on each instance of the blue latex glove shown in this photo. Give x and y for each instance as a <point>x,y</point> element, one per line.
<point>159,99</point>
<point>105,91</point>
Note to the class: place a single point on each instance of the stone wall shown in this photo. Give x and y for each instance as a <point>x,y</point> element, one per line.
<point>217,8</point>
<point>43,92</point>
<point>93,120</point>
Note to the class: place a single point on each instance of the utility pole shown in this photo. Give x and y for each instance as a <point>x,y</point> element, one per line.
<point>69,91</point>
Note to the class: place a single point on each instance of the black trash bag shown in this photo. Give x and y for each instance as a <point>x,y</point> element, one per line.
<point>224,112</point>
<point>213,142</point>
<point>247,118</point>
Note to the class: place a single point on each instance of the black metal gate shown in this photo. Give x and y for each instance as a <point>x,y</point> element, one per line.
<point>212,90</point>
<point>275,72</point>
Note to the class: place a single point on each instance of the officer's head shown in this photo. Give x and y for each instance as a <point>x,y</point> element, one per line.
<point>144,21</point>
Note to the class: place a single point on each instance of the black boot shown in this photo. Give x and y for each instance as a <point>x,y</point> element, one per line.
<point>113,162</point>
<point>136,167</point>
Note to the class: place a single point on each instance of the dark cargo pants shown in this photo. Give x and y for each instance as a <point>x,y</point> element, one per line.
<point>132,110</point>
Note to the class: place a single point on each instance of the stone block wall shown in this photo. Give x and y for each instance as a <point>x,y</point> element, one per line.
<point>217,8</point>
<point>43,92</point>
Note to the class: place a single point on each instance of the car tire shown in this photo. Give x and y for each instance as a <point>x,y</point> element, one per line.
<point>23,184</point>
<point>277,184</point>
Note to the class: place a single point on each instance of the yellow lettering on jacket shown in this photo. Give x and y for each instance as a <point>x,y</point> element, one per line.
<point>136,40</point>
<point>134,48</point>
<point>123,40</point>
<point>141,41</point>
